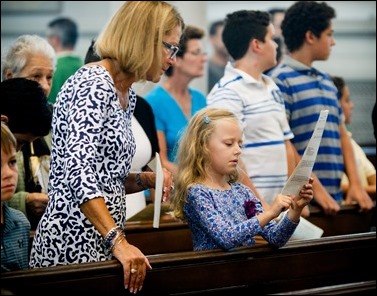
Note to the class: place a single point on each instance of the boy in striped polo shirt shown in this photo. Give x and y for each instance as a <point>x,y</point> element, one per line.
<point>308,34</point>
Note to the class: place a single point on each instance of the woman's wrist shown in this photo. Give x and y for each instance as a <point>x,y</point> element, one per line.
<point>113,238</point>
<point>140,182</point>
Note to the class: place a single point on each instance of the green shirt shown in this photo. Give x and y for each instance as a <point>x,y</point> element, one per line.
<point>66,65</point>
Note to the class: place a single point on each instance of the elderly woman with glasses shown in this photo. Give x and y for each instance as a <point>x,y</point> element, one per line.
<point>93,144</point>
<point>174,102</point>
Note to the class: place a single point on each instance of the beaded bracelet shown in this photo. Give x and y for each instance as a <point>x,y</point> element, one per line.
<point>139,182</point>
<point>110,236</point>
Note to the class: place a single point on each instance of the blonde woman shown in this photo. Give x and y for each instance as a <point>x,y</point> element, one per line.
<point>93,144</point>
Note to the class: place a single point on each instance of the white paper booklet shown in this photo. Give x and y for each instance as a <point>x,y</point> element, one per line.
<point>303,170</point>
<point>300,176</point>
<point>156,166</point>
<point>306,230</point>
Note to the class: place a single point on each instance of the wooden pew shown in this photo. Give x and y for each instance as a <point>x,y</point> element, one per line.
<point>357,288</point>
<point>175,236</point>
<point>337,260</point>
<point>348,220</point>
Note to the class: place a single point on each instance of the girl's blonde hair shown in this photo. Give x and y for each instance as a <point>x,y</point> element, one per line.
<point>134,36</point>
<point>8,141</point>
<point>193,156</point>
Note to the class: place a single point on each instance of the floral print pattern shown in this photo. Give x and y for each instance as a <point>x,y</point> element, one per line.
<point>217,219</point>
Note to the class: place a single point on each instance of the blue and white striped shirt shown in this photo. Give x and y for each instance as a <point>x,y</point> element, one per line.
<point>306,92</point>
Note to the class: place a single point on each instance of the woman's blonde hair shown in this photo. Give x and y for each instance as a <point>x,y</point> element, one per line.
<point>193,156</point>
<point>134,35</point>
<point>8,141</point>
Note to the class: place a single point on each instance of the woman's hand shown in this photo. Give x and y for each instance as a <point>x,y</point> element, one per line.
<point>148,180</point>
<point>135,265</point>
<point>168,186</point>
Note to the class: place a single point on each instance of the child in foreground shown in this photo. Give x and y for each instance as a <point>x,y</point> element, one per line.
<point>220,211</point>
<point>15,227</point>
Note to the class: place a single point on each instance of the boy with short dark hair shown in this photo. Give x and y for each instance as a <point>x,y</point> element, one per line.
<point>308,34</point>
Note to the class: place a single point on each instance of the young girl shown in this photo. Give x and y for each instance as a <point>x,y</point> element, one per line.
<point>221,212</point>
<point>15,227</point>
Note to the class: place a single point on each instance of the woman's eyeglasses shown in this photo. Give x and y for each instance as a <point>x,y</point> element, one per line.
<point>172,49</point>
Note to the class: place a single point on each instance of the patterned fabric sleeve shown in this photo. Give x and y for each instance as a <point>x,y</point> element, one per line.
<point>85,129</point>
<point>217,219</point>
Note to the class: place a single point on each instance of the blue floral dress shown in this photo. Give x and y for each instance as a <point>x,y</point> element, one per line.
<point>92,149</point>
<point>218,219</point>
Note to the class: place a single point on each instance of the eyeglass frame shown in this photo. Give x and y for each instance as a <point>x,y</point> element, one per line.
<point>173,49</point>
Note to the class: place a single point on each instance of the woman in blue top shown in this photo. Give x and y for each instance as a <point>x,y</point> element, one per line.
<point>174,102</point>
<point>221,212</point>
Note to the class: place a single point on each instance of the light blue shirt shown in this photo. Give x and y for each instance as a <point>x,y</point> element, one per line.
<point>169,116</point>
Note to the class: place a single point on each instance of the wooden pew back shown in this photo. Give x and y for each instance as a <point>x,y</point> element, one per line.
<point>348,220</point>
<point>242,271</point>
<point>175,236</point>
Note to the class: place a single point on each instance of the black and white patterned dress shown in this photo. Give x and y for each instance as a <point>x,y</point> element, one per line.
<point>92,149</point>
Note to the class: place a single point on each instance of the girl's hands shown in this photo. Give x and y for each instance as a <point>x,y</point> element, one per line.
<point>305,196</point>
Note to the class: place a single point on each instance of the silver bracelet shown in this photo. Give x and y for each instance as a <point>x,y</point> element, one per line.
<point>139,182</point>
<point>107,241</point>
